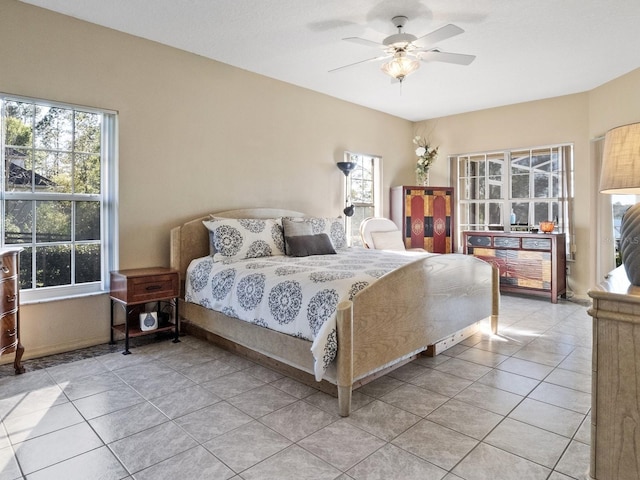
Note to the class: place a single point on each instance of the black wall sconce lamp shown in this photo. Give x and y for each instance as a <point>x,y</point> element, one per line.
<point>347,168</point>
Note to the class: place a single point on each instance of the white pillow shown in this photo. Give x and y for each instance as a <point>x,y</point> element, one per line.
<point>391,240</point>
<point>241,238</point>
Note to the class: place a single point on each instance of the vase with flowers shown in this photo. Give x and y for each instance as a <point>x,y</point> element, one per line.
<point>426,156</point>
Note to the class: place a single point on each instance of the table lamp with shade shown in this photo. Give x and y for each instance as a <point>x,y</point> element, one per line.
<point>621,176</point>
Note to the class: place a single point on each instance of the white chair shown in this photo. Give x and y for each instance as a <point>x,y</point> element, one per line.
<point>381,234</point>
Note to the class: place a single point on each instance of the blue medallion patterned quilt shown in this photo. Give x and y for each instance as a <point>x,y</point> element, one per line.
<point>298,296</point>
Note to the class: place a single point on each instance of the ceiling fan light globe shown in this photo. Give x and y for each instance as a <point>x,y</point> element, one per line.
<point>400,67</point>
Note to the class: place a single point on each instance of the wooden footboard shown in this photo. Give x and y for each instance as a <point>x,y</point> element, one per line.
<point>393,320</point>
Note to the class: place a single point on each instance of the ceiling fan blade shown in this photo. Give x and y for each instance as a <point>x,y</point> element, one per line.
<point>438,35</point>
<point>363,41</point>
<point>437,56</point>
<point>380,57</point>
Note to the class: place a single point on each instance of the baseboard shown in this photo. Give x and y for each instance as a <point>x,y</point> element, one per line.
<point>30,353</point>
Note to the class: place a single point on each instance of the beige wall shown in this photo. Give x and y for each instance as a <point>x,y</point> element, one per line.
<point>615,103</point>
<point>197,135</point>
<point>573,119</point>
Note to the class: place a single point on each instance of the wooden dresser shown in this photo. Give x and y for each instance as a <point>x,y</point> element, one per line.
<point>425,217</point>
<point>531,263</point>
<point>615,379</point>
<point>10,306</point>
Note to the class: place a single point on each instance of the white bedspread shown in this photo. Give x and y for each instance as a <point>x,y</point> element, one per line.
<point>297,296</point>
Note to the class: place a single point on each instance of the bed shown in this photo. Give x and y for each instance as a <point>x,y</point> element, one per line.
<point>425,303</point>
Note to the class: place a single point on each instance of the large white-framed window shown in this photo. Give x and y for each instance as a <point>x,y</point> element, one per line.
<point>363,191</point>
<point>515,190</point>
<point>58,195</point>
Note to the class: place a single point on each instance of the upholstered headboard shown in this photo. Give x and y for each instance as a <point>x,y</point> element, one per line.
<point>191,240</point>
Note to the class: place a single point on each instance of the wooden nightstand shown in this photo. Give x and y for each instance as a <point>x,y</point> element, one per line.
<point>138,286</point>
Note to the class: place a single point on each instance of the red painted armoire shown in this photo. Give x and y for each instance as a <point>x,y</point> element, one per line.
<point>425,217</point>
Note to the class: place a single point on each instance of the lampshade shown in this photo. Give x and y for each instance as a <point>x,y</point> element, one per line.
<point>621,175</point>
<point>346,167</point>
<point>621,161</point>
<point>400,66</point>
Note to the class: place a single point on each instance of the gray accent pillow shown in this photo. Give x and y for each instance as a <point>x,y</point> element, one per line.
<point>305,245</point>
<point>332,226</point>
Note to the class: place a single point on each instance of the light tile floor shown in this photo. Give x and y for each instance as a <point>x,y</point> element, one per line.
<point>512,406</point>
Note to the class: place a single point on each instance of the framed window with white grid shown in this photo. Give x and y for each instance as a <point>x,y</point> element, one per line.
<point>58,190</point>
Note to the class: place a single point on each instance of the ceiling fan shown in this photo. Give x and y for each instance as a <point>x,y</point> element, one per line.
<point>406,49</point>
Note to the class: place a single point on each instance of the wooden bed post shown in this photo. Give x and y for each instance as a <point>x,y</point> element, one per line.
<point>344,326</point>
<point>495,298</point>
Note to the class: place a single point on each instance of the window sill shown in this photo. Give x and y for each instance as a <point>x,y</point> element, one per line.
<point>36,301</point>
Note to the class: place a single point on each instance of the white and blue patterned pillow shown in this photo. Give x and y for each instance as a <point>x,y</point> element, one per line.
<point>332,226</point>
<point>240,238</point>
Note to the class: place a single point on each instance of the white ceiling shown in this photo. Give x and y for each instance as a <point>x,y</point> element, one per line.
<point>526,49</point>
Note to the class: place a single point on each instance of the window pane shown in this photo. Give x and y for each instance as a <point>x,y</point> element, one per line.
<point>18,125</point>
<point>18,221</point>
<point>541,160</point>
<point>87,132</point>
<point>520,186</point>
<point>472,168</point>
<point>481,191</point>
<point>463,166</point>
<point>555,186</point>
<point>463,189</point>
<point>367,169</point>
<point>541,212</point>
<point>522,212</point>
<point>495,191</point>
<point>481,168</point>
<point>358,191</point>
<point>495,168</point>
<point>86,173</point>
<point>53,171</point>
<point>87,221</point>
<point>53,221</point>
<point>540,185</point>
<point>88,263</point>
<point>469,214</point>
<point>19,164</point>
<point>53,265</point>
<point>480,214</point>
<point>54,128</point>
<point>495,214</point>
<point>520,162</point>
<point>26,277</point>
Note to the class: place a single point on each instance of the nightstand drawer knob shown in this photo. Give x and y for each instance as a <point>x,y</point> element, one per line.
<point>5,269</point>
<point>11,298</point>
<point>151,288</point>
<point>11,333</point>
